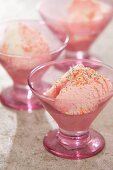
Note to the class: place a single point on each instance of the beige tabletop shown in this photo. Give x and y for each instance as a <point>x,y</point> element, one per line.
<point>21,134</point>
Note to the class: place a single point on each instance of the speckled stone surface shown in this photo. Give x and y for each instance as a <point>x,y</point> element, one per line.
<point>21,134</point>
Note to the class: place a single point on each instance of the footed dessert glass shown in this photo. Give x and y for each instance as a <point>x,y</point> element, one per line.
<point>19,96</point>
<point>74,139</point>
<point>82,20</point>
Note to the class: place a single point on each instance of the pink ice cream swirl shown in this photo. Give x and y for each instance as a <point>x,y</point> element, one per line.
<point>80,90</point>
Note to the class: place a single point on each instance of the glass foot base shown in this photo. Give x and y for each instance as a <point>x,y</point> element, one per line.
<point>92,147</point>
<point>20,99</point>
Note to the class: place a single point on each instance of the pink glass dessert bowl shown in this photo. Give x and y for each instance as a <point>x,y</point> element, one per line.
<point>82,20</point>
<point>24,44</point>
<point>75,139</point>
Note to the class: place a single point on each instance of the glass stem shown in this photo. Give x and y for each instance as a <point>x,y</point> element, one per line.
<point>19,86</point>
<point>78,54</point>
<point>23,90</point>
<point>73,140</point>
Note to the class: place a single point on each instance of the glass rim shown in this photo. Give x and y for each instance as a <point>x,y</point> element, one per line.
<point>51,63</point>
<point>40,22</point>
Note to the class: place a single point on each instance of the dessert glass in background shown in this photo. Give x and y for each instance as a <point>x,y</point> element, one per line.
<point>74,139</point>
<point>83,20</point>
<point>24,44</point>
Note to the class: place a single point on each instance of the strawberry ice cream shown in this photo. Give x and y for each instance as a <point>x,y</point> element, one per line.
<point>87,10</point>
<point>23,47</point>
<point>80,90</point>
<point>85,20</point>
<point>21,40</point>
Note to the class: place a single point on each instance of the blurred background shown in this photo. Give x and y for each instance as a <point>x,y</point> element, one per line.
<point>11,9</point>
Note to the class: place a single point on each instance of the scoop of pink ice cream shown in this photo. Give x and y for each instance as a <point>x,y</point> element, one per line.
<point>22,40</point>
<point>87,10</point>
<point>85,21</point>
<point>80,90</point>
